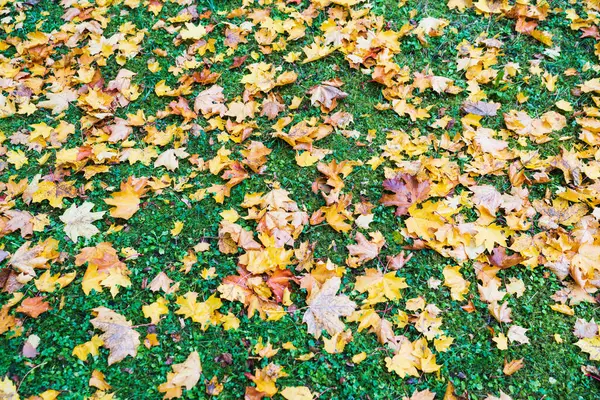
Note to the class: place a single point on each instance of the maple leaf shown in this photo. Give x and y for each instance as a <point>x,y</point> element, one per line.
<point>34,306</point>
<point>126,202</point>
<point>559,213</point>
<point>25,260</point>
<point>162,282</point>
<point>156,309</point>
<point>48,282</point>
<point>279,282</point>
<point>59,102</point>
<point>119,336</point>
<point>326,95</point>
<point>78,221</point>
<point>456,282</point>
<point>296,393</point>
<point>255,156</point>
<point>203,313</point>
<point>19,220</point>
<point>482,108</point>
<point>325,309</point>
<point>500,312</point>
<point>192,31</point>
<point>8,390</point>
<point>404,361</point>
<point>591,346</point>
<point>82,351</point>
<point>98,381</point>
<point>517,333</point>
<point>170,158</point>
<point>407,191</point>
<point>272,106</point>
<point>512,366</point>
<point>423,395</point>
<point>380,286</point>
<point>185,374</point>
<point>500,259</point>
<point>265,380</point>
<point>584,329</point>
<point>364,250</point>
<point>487,198</point>
<point>54,192</point>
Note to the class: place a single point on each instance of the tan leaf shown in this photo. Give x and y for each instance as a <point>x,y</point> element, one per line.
<point>78,221</point>
<point>325,309</point>
<point>119,336</point>
<point>25,260</point>
<point>481,108</point>
<point>513,366</point>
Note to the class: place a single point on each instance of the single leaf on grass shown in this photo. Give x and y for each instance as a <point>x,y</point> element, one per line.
<point>119,336</point>
<point>297,393</point>
<point>78,221</point>
<point>458,285</point>
<point>98,381</point>
<point>126,202</point>
<point>82,351</point>
<point>34,306</point>
<point>326,95</point>
<point>325,309</point>
<point>185,374</point>
<point>482,108</point>
<point>512,366</point>
<point>156,309</point>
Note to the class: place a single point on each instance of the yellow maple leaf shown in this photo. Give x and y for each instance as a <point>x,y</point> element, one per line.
<point>455,281</point>
<point>192,31</point>
<point>48,283</point>
<point>590,346</point>
<point>126,202</point>
<point>82,351</point>
<point>156,309</point>
<point>185,374</point>
<point>200,312</point>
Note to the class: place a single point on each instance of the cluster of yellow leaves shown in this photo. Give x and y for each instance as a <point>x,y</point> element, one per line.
<point>420,187</point>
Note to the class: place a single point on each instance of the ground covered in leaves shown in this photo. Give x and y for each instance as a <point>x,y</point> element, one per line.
<point>345,199</point>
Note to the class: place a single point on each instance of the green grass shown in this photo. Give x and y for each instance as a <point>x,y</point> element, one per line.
<point>473,363</point>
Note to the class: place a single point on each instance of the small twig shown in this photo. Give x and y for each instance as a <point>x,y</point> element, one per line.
<point>28,372</point>
<point>141,325</point>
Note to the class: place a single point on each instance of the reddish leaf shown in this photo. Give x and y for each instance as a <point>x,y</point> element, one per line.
<point>407,191</point>
<point>500,259</point>
<point>34,306</point>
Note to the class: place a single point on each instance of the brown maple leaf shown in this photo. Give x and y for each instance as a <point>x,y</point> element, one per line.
<point>407,191</point>
<point>499,258</point>
<point>326,95</point>
<point>205,77</point>
<point>590,31</point>
<point>238,62</point>
<point>512,366</point>
<point>34,306</point>
<point>272,106</point>
<point>119,336</point>
<point>279,281</point>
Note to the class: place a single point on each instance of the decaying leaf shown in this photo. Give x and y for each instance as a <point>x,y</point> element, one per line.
<point>118,335</point>
<point>78,221</point>
<point>325,308</point>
